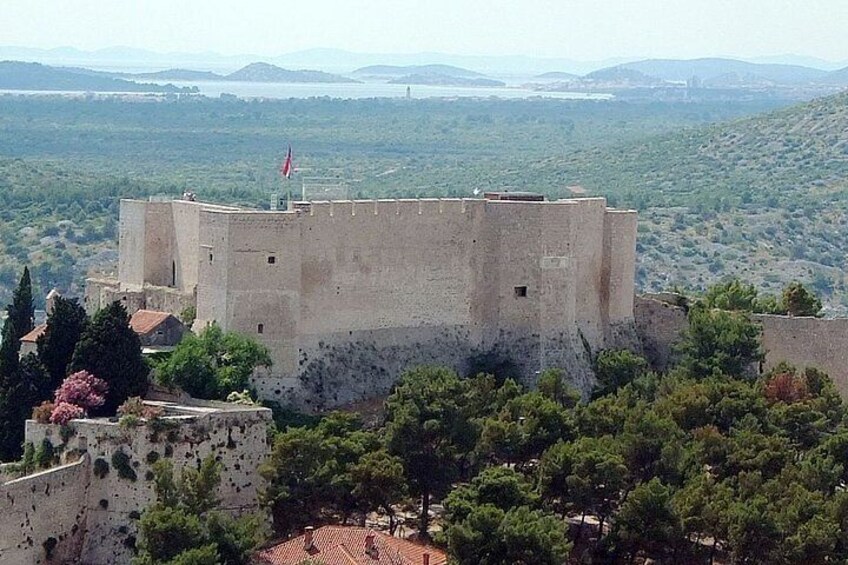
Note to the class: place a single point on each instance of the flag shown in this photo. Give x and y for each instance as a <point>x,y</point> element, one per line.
<point>287,167</point>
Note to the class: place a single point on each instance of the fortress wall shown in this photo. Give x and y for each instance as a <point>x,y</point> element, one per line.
<point>132,241</point>
<point>808,342</point>
<point>213,269</point>
<point>588,253</point>
<point>660,327</point>
<point>620,254</point>
<point>185,217</point>
<point>359,289</point>
<point>516,236</point>
<point>802,342</point>
<point>159,269</point>
<point>264,278</point>
<point>43,510</point>
<point>378,265</point>
<point>165,299</point>
<point>113,502</point>
<point>384,285</point>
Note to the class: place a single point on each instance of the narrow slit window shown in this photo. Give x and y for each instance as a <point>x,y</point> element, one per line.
<point>520,291</point>
<point>210,258</point>
<point>260,328</point>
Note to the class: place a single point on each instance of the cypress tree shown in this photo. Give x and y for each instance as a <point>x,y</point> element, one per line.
<point>18,323</point>
<point>65,326</point>
<point>24,389</point>
<point>110,350</point>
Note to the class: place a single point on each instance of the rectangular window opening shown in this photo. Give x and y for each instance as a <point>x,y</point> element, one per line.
<point>271,259</point>
<point>260,328</point>
<point>520,291</point>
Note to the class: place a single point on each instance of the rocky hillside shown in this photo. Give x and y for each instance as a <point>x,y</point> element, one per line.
<point>765,198</point>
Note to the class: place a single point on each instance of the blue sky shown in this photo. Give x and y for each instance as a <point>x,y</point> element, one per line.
<point>575,29</point>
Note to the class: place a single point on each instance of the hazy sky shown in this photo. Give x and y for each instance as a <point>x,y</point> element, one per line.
<point>576,29</point>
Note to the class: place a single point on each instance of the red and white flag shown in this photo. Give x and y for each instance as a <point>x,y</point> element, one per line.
<point>287,168</point>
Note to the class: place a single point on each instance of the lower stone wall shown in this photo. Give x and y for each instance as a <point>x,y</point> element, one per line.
<point>99,293</point>
<point>802,342</point>
<point>659,326</point>
<point>115,485</point>
<point>348,367</point>
<point>43,516</point>
<point>808,342</point>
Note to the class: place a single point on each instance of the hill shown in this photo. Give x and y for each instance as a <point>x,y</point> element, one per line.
<point>557,75</point>
<point>623,75</point>
<point>764,198</point>
<point>399,71</point>
<point>839,77</point>
<point>178,74</point>
<point>445,80</point>
<point>264,72</point>
<point>708,69</point>
<point>15,75</point>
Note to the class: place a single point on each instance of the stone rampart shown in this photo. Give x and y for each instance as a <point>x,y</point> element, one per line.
<point>103,495</point>
<point>43,516</point>
<point>802,342</point>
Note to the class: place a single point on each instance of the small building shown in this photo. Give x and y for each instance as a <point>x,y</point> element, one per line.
<point>28,342</point>
<point>157,329</point>
<point>350,545</point>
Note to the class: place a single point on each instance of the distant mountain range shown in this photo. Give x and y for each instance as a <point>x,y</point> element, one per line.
<point>337,61</point>
<point>329,60</point>
<point>15,75</point>
<point>714,73</point>
<point>709,69</point>
<point>254,72</point>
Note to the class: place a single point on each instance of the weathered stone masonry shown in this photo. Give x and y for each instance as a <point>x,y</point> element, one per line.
<point>87,511</point>
<point>347,294</point>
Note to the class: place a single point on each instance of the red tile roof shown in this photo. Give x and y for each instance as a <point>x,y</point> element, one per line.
<point>36,332</point>
<point>144,321</point>
<point>345,545</point>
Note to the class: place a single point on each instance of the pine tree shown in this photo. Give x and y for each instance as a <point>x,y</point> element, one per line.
<point>110,350</point>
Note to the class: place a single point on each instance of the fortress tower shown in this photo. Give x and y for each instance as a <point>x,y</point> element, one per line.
<point>347,294</point>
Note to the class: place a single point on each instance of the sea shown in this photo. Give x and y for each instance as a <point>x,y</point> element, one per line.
<point>372,90</point>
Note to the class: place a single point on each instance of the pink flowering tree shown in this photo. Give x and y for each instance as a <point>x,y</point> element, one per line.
<point>78,394</point>
<point>64,412</point>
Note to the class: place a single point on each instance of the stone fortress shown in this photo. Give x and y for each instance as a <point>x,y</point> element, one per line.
<point>347,294</point>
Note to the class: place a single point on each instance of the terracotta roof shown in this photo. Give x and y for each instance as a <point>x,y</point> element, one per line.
<point>36,332</point>
<point>345,545</point>
<point>144,321</point>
